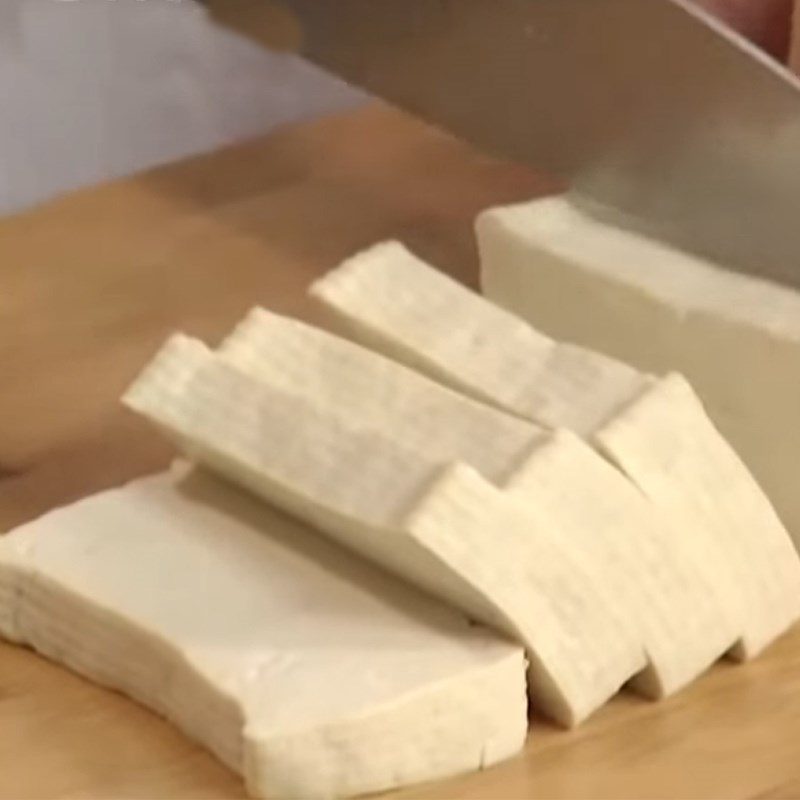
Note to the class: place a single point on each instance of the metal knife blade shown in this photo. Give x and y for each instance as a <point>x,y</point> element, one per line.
<point>659,118</point>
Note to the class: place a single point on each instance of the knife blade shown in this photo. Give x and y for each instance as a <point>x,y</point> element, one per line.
<point>658,117</point>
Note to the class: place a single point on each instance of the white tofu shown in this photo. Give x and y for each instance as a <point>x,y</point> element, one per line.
<point>389,299</point>
<point>677,606</point>
<point>357,385</point>
<point>436,522</point>
<point>299,666</point>
<point>592,506</point>
<point>680,461</point>
<point>736,338</point>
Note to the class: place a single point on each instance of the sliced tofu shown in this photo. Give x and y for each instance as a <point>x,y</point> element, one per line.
<point>391,300</point>
<point>357,385</point>
<point>302,668</point>
<point>735,338</point>
<point>614,526</point>
<point>680,461</point>
<point>435,522</point>
<point>388,299</point>
<point>677,606</point>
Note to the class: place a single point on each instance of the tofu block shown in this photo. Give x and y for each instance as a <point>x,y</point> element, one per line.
<point>613,524</point>
<point>356,384</point>
<point>299,666</point>
<point>735,338</point>
<point>392,301</point>
<point>434,521</point>
<point>680,461</point>
<point>677,608</point>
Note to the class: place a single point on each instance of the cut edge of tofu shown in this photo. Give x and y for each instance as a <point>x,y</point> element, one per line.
<point>671,450</point>
<point>379,294</point>
<point>38,598</point>
<point>756,412</point>
<point>387,299</point>
<point>457,520</point>
<point>358,383</point>
<point>467,713</point>
<point>557,227</point>
<point>683,628</point>
<point>412,545</point>
<point>378,539</point>
<point>474,719</point>
<point>379,275</point>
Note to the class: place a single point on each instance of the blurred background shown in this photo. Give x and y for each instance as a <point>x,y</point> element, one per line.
<point>96,89</point>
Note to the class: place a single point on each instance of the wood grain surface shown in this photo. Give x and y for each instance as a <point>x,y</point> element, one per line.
<point>89,287</point>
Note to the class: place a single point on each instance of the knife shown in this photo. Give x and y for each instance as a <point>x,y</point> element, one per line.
<point>659,118</point>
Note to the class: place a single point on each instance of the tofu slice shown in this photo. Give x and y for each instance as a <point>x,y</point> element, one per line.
<point>235,622</point>
<point>735,338</point>
<point>358,385</point>
<point>677,608</point>
<point>392,301</point>
<point>434,521</point>
<point>680,460</point>
<point>665,586</point>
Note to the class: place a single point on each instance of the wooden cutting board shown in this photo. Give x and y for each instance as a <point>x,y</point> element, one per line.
<point>89,287</point>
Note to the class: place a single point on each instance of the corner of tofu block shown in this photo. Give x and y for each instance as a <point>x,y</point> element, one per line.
<point>454,522</point>
<point>458,485</point>
<point>551,448</point>
<point>467,722</point>
<point>668,445</point>
<point>389,256</point>
<point>169,372</point>
<point>252,322</point>
<point>542,214</point>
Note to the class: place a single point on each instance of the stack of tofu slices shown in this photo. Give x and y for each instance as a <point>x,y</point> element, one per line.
<point>477,515</point>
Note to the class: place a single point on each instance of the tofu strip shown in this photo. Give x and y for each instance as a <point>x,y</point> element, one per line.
<point>654,430</point>
<point>735,337</point>
<point>432,519</point>
<point>301,667</point>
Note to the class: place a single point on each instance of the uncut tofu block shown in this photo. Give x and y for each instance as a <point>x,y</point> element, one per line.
<point>654,430</point>
<point>735,338</point>
<point>305,670</point>
<point>435,522</point>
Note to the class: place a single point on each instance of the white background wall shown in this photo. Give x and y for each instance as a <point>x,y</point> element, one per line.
<point>94,89</point>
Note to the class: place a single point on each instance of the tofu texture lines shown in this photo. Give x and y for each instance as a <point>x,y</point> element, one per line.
<point>318,365</point>
<point>430,518</point>
<point>234,622</point>
<point>655,430</point>
<point>735,337</point>
<point>588,510</point>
